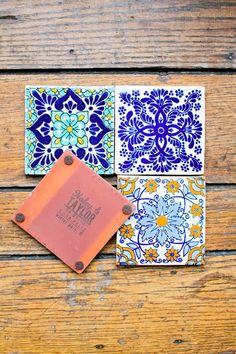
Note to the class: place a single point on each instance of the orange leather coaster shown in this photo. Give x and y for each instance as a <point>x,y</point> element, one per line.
<point>73,212</point>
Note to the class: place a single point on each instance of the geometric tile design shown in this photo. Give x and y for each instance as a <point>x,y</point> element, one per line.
<point>159,130</point>
<point>80,119</point>
<point>168,226</point>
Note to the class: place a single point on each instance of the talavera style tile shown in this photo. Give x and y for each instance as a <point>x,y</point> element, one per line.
<point>168,227</point>
<point>159,130</point>
<point>80,119</point>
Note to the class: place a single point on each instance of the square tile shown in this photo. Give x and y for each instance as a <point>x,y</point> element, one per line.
<point>159,130</point>
<point>168,226</point>
<point>80,119</point>
<point>74,215</point>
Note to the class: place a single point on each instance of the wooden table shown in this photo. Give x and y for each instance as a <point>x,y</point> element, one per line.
<point>47,308</point>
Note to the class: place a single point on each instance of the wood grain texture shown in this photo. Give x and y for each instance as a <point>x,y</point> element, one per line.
<point>220,231</point>
<point>220,109</point>
<point>114,34</point>
<point>46,308</point>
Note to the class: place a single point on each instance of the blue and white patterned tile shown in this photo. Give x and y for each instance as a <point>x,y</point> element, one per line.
<point>159,130</point>
<point>80,119</point>
<point>168,226</point>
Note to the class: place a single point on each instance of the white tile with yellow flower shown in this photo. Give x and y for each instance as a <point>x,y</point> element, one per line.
<point>168,226</point>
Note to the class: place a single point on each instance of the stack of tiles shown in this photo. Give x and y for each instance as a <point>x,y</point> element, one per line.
<point>159,159</point>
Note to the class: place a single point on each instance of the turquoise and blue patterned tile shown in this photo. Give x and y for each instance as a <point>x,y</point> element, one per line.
<point>168,225</point>
<point>80,119</point>
<point>160,130</point>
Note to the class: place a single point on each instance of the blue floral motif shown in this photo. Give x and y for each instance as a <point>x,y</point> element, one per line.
<point>79,119</point>
<point>159,128</point>
<point>94,155</point>
<point>96,103</point>
<point>68,129</point>
<point>43,102</point>
<point>44,155</point>
<point>168,226</point>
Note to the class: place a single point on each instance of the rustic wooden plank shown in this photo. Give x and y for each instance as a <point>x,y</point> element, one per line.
<point>111,33</point>
<point>220,110</point>
<point>220,232</point>
<point>45,307</point>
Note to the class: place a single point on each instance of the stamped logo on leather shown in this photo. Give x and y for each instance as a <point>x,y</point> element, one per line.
<point>78,212</point>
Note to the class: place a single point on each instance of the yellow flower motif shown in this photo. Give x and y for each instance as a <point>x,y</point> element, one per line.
<point>125,256</point>
<point>162,220</point>
<point>195,231</point>
<point>172,254</point>
<point>196,185</point>
<point>127,231</point>
<point>196,256</point>
<point>172,186</point>
<point>69,129</point>
<point>151,186</point>
<point>126,185</point>
<point>196,210</point>
<point>151,255</point>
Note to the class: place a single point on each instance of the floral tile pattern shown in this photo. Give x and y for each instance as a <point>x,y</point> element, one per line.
<point>168,226</point>
<point>160,130</point>
<point>77,118</point>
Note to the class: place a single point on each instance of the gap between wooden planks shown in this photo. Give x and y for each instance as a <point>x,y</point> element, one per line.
<point>220,111</point>
<point>45,307</point>
<point>220,224</point>
<point>110,33</point>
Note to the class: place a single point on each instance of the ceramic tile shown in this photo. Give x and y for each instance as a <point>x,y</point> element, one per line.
<point>159,130</point>
<point>77,118</point>
<point>168,226</point>
<point>74,215</point>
